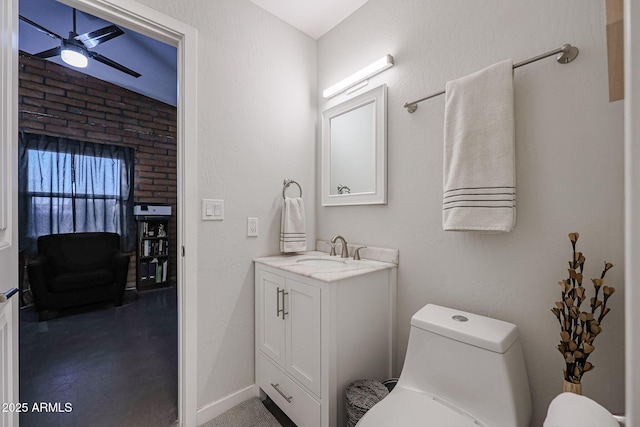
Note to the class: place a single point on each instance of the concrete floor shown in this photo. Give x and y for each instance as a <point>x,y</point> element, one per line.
<point>102,365</point>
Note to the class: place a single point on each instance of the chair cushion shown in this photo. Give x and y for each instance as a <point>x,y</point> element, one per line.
<point>82,280</point>
<point>74,252</point>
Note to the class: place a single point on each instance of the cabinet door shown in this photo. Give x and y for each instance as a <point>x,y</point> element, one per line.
<point>303,334</point>
<point>272,325</point>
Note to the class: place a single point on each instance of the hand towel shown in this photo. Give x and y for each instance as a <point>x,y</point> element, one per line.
<point>479,178</point>
<point>293,237</point>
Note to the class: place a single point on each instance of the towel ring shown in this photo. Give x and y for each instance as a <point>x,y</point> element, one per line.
<point>287,183</point>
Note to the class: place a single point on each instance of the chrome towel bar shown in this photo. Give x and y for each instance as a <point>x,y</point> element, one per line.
<point>566,53</point>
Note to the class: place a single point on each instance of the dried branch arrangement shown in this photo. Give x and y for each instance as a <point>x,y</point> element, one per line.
<point>579,328</point>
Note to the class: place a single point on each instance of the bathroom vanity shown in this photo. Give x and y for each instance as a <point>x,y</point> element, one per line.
<point>322,322</point>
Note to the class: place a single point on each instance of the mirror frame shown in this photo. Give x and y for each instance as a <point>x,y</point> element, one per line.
<point>377,95</point>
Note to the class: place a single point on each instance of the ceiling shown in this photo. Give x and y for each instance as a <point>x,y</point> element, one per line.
<point>156,61</point>
<point>314,17</point>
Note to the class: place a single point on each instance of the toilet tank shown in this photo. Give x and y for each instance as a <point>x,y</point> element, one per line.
<point>472,363</point>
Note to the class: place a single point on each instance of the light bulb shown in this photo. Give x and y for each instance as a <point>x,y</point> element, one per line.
<point>74,56</point>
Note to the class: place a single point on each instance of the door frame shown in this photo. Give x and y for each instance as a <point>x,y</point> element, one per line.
<point>9,190</point>
<point>159,26</point>
<point>632,208</point>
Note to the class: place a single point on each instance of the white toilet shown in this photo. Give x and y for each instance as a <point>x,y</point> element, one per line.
<point>461,370</point>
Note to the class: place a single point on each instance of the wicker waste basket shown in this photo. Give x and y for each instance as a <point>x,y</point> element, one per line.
<point>361,396</point>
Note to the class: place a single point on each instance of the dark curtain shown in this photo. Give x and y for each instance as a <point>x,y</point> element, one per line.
<point>68,186</point>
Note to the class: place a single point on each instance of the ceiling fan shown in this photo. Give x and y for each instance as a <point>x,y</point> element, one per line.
<point>75,50</point>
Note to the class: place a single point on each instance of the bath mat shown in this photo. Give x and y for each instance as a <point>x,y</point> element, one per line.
<point>250,413</point>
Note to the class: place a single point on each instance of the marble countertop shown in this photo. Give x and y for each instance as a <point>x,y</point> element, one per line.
<point>319,265</point>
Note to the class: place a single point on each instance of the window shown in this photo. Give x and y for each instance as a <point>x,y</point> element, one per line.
<point>71,186</point>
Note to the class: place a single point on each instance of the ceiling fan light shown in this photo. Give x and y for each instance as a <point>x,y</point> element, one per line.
<point>74,56</point>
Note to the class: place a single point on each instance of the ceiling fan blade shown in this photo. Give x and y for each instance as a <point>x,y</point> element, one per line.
<point>48,53</point>
<point>41,28</point>
<point>111,63</point>
<point>94,38</point>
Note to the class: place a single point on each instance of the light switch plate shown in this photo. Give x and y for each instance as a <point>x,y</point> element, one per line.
<point>212,210</point>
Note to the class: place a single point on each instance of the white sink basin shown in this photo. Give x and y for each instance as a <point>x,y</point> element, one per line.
<point>321,262</point>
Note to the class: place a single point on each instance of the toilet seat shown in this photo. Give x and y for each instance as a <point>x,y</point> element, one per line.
<point>408,408</point>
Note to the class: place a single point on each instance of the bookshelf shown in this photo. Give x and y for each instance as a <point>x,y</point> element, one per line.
<point>152,252</point>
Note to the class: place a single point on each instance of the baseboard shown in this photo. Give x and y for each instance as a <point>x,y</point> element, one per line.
<point>213,409</point>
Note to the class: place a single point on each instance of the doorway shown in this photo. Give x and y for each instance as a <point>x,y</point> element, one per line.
<point>154,24</point>
<point>126,354</point>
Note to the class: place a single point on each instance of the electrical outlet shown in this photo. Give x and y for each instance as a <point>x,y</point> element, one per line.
<point>252,227</point>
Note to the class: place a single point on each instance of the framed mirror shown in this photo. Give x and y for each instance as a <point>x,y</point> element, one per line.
<point>354,150</point>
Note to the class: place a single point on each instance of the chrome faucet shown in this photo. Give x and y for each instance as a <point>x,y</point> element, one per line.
<point>345,250</point>
<point>356,253</point>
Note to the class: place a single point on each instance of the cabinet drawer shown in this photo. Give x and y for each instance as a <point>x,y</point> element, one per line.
<point>302,408</point>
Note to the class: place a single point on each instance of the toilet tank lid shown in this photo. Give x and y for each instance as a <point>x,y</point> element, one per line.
<point>480,331</point>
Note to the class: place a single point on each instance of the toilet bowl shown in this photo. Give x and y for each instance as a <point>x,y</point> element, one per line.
<point>460,370</point>
<point>569,409</point>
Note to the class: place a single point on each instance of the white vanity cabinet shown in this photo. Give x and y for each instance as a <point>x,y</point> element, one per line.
<point>290,327</point>
<point>317,332</point>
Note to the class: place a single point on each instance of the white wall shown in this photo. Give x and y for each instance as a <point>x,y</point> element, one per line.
<point>569,170</point>
<point>257,106</point>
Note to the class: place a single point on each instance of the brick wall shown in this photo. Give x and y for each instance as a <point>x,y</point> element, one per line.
<point>58,101</point>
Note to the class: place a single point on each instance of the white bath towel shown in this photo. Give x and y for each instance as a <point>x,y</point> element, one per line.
<point>479,182</point>
<point>293,237</point>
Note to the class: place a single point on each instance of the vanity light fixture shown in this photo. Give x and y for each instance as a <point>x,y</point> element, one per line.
<point>357,87</point>
<point>73,55</point>
<point>369,71</point>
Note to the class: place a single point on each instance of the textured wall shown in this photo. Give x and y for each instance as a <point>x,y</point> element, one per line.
<point>569,155</point>
<point>257,112</point>
<point>58,101</point>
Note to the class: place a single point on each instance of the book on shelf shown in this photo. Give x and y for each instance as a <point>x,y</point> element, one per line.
<point>164,270</point>
<point>153,267</point>
<point>144,270</point>
<point>159,273</point>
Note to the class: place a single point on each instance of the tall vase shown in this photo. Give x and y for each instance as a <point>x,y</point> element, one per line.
<point>571,387</point>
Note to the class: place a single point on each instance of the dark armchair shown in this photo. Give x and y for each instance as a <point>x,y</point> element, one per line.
<point>74,269</point>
